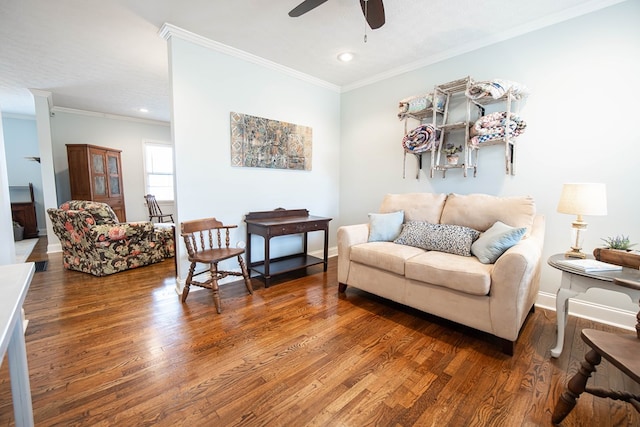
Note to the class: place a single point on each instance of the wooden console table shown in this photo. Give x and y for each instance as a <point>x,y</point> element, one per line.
<point>282,222</point>
<point>23,209</point>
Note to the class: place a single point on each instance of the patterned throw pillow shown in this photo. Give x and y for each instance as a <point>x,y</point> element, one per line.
<point>453,239</point>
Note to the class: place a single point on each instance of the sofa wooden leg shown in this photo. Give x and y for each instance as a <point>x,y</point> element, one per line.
<point>508,346</point>
<point>342,287</point>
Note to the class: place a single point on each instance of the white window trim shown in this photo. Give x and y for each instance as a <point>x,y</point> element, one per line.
<point>146,142</point>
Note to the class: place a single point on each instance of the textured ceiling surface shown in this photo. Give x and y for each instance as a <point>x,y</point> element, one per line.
<point>107,56</point>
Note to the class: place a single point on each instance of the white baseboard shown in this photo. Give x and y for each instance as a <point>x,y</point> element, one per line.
<point>53,248</point>
<point>587,310</point>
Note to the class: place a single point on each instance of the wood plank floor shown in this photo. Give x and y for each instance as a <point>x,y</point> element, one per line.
<point>123,350</point>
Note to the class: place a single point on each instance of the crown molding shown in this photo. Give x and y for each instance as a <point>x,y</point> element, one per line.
<point>108,116</point>
<point>556,18</point>
<point>169,30</point>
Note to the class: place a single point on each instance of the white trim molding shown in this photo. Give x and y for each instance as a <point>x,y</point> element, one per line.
<point>169,30</point>
<point>592,311</point>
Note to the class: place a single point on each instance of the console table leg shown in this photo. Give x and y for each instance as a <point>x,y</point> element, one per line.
<point>562,311</point>
<point>326,249</point>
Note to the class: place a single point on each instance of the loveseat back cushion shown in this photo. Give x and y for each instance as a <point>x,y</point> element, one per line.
<point>464,274</point>
<point>384,255</point>
<point>416,206</point>
<point>481,211</point>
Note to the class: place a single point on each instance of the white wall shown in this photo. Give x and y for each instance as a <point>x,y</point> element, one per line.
<point>113,132</point>
<point>581,119</point>
<point>7,249</point>
<point>206,86</point>
<point>21,141</point>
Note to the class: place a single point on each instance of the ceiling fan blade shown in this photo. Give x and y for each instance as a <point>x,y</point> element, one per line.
<point>374,12</point>
<point>305,7</point>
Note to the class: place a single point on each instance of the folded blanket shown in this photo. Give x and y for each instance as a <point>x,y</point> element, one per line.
<point>496,88</point>
<point>421,139</point>
<point>485,124</point>
<point>494,126</point>
<point>420,103</point>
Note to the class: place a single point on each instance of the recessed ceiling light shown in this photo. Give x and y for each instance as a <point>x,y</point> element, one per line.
<point>345,56</point>
<point>143,110</point>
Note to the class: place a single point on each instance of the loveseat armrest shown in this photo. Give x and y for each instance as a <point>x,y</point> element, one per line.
<point>348,236</point>
<point>515,281</point>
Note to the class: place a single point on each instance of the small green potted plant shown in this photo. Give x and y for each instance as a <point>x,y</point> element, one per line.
<point>451,152</point>
<point>620,242</point>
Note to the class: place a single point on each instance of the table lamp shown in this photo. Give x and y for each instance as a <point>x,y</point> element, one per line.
<point>581,199</point>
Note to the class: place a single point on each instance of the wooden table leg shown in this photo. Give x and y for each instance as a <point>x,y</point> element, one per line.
<point>575,387</point>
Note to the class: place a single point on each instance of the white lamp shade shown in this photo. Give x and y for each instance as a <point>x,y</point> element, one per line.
<point>583,199</point>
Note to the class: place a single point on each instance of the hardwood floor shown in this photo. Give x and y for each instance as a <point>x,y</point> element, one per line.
<point>123,350</point>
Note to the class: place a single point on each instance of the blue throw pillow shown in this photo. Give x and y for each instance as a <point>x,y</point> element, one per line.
<point>385,227</point>
<point>495,241</point>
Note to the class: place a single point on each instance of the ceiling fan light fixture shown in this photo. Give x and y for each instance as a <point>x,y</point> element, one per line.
<point>345,56</point>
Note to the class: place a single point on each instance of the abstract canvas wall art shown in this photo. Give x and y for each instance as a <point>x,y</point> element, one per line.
<point>257,142</point>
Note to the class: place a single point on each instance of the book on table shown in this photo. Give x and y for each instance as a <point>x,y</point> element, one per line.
<point>589,265</point>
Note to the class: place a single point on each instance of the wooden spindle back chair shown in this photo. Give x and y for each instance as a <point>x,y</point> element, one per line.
<point>155,211</point>
<point>203,239</point>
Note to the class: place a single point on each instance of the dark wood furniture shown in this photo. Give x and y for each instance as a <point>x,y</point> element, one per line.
<point>95,173</point>
<point>155,211</point>
<point>282,222</point>
<point>620,350</point>
<point>203,239</point>
<point>24,211</point>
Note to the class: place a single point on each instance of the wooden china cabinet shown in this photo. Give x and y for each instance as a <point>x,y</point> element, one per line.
<point>95,173</point>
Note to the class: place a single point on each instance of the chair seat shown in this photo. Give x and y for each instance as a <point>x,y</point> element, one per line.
<point>620,350</point>
<point>209,255</point>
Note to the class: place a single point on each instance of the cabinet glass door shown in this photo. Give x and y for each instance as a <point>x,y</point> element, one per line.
<point>114,175</point>
<point>98,172</point>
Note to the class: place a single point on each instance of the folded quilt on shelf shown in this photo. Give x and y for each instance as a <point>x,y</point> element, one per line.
<point>417,104</point>
<point>496,88</point>
<point>421,139</point>
<point>494,126</point>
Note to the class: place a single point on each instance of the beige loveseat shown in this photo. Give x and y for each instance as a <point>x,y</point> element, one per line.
<point>493,296</point>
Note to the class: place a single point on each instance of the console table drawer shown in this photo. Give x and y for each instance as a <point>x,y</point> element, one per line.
<point>285,229</point>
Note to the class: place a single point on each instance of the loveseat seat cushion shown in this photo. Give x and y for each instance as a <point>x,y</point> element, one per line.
<point>464,274</point>
<point>481,211</point>
<point>385,255</point>
<point>416,206</point>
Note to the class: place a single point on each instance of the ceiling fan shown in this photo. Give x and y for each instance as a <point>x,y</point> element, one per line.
<point>373,10</point>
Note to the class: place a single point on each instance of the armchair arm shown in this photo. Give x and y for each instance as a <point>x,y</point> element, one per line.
<point>349,235</point>
<point>133,231</point>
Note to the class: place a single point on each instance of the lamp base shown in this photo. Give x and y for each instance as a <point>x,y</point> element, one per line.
<point>575,253</point>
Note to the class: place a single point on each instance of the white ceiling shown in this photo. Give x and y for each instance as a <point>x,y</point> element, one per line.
<point>107,56</point>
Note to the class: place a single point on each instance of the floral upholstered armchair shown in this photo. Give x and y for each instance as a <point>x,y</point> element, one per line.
<point>93,241</point>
